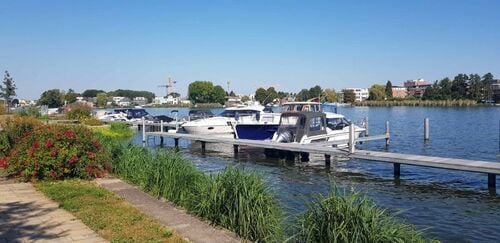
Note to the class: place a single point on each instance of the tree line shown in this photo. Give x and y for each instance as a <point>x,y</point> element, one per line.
<point>463,86</point>
<point>270,95</point>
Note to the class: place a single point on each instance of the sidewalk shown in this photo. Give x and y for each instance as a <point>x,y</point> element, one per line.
<point>189,226</point>
<point>26,215</point>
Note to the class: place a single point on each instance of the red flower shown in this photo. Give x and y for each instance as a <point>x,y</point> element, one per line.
<point>31,151</point>
<point>34,174</point>
<point>73,160</point>
<point>69,134</point>
<point>22,174</point>
<point>96,144</point>
<point>90,155</point>
<point>36,145</point>
<point>52,174</point>
<point>48,143</point>
<point>54,152</point>
<point>25,134</point>
<point>3,163</point>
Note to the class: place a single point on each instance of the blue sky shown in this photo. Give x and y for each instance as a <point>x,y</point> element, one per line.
<point>292,44</point>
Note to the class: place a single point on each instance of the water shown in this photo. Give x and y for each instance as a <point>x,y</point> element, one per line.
<point>452,206</point>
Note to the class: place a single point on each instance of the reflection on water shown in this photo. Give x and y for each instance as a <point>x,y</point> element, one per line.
<point>455,206</point>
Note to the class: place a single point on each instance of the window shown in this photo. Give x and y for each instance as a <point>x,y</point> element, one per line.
<point>316,124</point>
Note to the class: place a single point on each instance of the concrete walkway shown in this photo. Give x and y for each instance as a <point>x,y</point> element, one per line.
<point>26,215</point>
<point>190,227</point>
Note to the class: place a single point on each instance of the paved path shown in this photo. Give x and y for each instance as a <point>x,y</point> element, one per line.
<point>26,215</point>
<point>190,227</point>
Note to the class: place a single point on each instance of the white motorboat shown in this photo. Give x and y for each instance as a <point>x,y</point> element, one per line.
<point>223,124</point>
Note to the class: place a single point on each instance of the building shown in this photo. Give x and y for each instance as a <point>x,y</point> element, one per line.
<point>140,101</point>
<point>416,87</point>
<point>361,94</point>
<point>399,92</point>
<point>495,88</point>
<point>170,100</point>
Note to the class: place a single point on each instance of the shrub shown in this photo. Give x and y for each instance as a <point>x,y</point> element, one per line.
<point>57,152</point>
<point>17,127</point>
<point>116,131</point>
<point>30,111</point>
<point>78,113</point>
<point>4,144</point>
<point>91,121</point>
<point>351,217</point>
<point>241,202</point>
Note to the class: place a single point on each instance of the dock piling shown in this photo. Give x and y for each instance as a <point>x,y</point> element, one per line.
<point>352,144</point>
<point>366,127</point>
<point>426,129</point>
<point>143,132</point>
<point>176,143</point>
<point>327,160</point>
<point>387,133</point>
<point>492,180</point>
<point>235,150</point>
<point>203,147</point>
<point>397,169</point>
<point>161,125</point>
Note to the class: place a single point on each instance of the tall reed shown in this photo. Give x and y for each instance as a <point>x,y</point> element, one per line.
<point>241,202</point>
<point>351,217</point>
<point>415,102</point>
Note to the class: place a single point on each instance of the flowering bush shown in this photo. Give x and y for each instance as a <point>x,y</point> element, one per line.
<point>57,152</point>
<point>77,111</point>
<point>18,126</point>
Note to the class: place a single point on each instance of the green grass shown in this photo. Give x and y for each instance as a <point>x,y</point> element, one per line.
<point>236,200</point>
<point>415,102</point>
<point>112,218</point>
<point>351,217</point>
<point>115,130</point>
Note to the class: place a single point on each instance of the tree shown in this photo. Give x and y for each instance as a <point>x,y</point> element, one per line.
<point>376,92</point>
<point>261,95</point>
<point>52,98</point>
<point>475,88</point>
<point>199,91</point>
<point>487,81</point>
<point>90,93</point>
<point>271,94</point>
<point>70,96</point>
<point>245,98</point>
<point>218,95</point>
<point>459,86</point>
<point>303,95</point>
<point>349,96</point>
<point>329,95</point>
<point>315,92</point>
<point>101,99</point>
<point>388,89</point>
<point>8,89</point>
<point>444,89</point>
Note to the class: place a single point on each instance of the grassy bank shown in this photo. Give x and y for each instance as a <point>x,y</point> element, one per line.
<point>442,103</point>
<point>112,218</point>
<point>233,199</point>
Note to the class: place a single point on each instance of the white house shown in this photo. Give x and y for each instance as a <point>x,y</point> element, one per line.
<point>361,94</point>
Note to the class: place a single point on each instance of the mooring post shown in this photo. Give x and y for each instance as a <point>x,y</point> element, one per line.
<point>176,142</point>
<point>327,160</point>
<point>161,140</point>
<point>492,180</point>
<point>426,129</point>
<point>161,126</point>
<point>203,147</point>
<point>366,127</point>
<point>352,143</point>
<point>397,169</point>
<point>143,132</point>
<point>176,122</point>
<point>387,133</point>
<point>235,149</point>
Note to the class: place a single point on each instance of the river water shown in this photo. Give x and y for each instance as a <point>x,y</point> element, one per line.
<point>451,206</point>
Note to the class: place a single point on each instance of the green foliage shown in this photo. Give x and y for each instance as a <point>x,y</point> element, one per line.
<point>351,217</point>
<point>349,96</point>
<point>388,89</point>
<point>241,202</point>
<point>8,89</point>
<point>70,96</point>
<point>313,92</point>
<point>234,199</point>
<point>462,87</point>
<point>329,95</point>
<point>5,145</point>
<point>115,131</point>
<point>101,99</point>
<point>92,92</point>
<point>52,98</point>
<point>57,152</point>
<point>417,102</point>
<point>91,121</point>
<point>376,92</point>
<point>264,96</point>
<point>206,92</point>
<point>78,112</point>
<point>17,127</point>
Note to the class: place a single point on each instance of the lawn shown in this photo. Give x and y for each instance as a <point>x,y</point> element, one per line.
<point>111,217</point>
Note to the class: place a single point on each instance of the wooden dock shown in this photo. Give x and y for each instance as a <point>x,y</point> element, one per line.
<point>491,169</point>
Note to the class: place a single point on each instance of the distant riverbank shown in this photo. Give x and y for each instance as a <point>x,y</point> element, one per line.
<point>443,103</point>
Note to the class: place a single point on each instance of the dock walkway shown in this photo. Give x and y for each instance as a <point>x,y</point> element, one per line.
<point>328,149</point>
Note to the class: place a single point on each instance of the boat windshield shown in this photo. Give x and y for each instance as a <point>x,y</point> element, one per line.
<point>336,123</point>
<point>301,107</point>
<point>292,121</point>
<point>233,113</point>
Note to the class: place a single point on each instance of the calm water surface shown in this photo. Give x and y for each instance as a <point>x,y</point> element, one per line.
<point>452,206</point>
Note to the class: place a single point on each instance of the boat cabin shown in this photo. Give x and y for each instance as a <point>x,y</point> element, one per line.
<point>294,126</point>
<point>133,113</point>
<point>200,114</point>
<point>336,121</point>
<point>301,106</point>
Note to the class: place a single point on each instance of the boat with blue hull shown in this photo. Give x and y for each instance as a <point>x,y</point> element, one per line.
<point>256,131</point>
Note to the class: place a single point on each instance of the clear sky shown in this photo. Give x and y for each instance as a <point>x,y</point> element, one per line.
<point>291,44</point>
